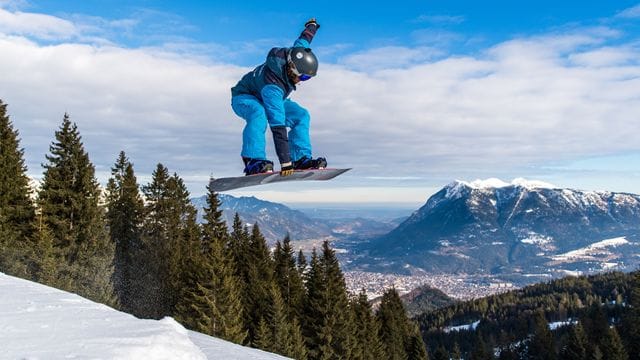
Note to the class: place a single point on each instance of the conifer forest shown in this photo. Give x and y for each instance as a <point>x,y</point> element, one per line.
<point>140,249</point>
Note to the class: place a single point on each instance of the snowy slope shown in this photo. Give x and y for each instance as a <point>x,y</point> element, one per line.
<point>39,322</point>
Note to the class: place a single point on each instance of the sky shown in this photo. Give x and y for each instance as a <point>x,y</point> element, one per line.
<point>411,95</point>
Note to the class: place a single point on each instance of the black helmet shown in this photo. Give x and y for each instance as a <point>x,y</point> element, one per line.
<point>304,62</point>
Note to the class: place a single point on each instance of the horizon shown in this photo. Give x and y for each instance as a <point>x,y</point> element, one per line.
<point>411,96</point>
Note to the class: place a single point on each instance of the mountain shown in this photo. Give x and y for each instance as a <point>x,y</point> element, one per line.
<point>275,220</point>
<point>40,322</point>
<point>521,227</point>
<point>424,299</point>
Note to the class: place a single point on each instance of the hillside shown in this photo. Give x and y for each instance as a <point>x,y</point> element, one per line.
<point>507,321</point>
<point>45,323</point>
<point>424,299</point>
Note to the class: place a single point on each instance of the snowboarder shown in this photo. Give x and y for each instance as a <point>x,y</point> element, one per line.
<point>261,99</point>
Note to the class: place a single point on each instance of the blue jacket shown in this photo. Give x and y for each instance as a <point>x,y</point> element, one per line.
<point>269,82</point>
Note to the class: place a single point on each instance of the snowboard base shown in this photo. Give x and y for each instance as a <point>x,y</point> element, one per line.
<point>230,183</point>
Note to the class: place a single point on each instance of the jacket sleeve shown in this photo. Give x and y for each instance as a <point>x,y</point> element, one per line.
<point>306,36</point>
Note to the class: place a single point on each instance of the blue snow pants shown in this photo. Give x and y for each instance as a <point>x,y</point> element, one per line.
<point>252,111</point>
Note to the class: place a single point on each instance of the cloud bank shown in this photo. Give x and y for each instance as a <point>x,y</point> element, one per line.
<point>414,113</point>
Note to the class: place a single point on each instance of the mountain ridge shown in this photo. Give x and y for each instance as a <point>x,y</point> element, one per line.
<point>496,227</point>
<point>278,220</point>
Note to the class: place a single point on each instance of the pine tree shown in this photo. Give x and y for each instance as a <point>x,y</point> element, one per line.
<point>456,354</point>
<point>298,347</point>
<point>170,220</point>
<point>575,347</point>
<point>612,348</point>
<point>394,325</point>
<point>288,279</point>
<point>596,354</point>
<point>259,279</point>
<point>46,262</point>
<point>238,247</point>
<point>263,338</point>
<point>317,325</point>
<point>630,326</point>
<point>440,353</point>
<point>17,211</point>
<point>70,204</point>
<point>279,323</point>
<point>215,238</point>
<point>125,217</point>
<point>214,304</point>
<point>480,350</point>
<point>301,264</point>
<point>327,323</point>
<point>342,341</point>
<point>595,324</point>
<point>152,282</point>
<point>541,345</point>
<point>416,348</point>
<point>182,229</point>
<point>193,299</point>
<point>367,344</point>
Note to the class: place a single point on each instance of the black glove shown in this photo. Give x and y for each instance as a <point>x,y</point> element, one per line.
<point>286,169</point>
<point>312,21</point>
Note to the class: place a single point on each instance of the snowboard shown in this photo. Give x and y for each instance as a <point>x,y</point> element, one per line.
<point>230,183</point>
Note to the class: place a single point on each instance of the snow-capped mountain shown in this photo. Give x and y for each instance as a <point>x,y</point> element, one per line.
<point>490,226</point>
<point>40,322</point>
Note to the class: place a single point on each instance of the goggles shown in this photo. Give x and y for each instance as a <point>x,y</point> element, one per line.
<point>302,77</point>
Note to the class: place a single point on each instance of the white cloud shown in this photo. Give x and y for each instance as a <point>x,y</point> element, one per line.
<point>13,4</point>
<point>388,57</point>
<point>630,13</point>
<point>41,26</point>
<point>392,112</point>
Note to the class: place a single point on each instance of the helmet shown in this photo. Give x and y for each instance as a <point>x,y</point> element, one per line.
<point>304,62</point>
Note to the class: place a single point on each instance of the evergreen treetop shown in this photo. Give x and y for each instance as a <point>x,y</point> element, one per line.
<point>16,207</point>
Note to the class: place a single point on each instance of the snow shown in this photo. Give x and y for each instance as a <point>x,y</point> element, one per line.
<point>490,183</point>
<point>532,184</point>
<point>537,239</point>
<point>40,322</point>
<point>588,251</point>
<point>471,326</point>
<point>558,324</point>
<point>494,183</point>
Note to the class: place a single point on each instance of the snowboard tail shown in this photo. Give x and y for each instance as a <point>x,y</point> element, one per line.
<point>230,183</point>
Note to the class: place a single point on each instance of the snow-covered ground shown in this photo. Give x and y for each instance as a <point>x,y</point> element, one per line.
<point>40,322</point>
<point>558,324</point>
<point>589,251</point>
<point>467,327</point>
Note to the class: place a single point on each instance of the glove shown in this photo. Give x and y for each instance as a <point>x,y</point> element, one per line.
<point>312,21</point>
<point>286,169</point>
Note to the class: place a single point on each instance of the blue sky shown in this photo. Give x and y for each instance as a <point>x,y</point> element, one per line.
<point>412,94</point>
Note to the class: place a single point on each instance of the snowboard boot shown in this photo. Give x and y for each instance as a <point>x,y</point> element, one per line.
<point>310,163</point>
<point>257,166</point>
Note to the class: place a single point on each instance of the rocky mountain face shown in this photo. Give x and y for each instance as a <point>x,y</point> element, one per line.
<point>522,227</point>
